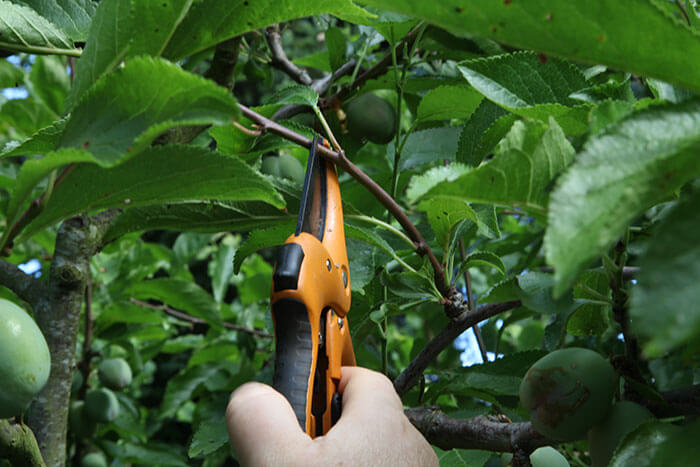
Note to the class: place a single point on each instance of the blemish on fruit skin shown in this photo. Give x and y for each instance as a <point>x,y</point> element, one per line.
<point>549,17</point>
<point>507,2</point>
<point>601,38</point>
<point>542,58</point>
<point>459,10</point>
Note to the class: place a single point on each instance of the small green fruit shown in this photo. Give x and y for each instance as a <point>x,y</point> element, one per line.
<point>545,456</point>
<point>80,424</point>
<point>567,392</point>
<point>25,360</point>
<point>115,373</point>
<point>372,118</point>
<point>271,166</point>
<point>102,405</point>
<point>290,167</point>
<point>76,381</point>
<point>603,438</point>
<point>94,459</point>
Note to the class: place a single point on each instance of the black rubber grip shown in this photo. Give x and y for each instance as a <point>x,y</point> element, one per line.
<point>293,354</point>
<point>289,259</point>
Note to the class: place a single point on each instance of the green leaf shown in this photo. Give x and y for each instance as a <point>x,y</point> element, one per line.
<point>473,142</point>
<point>482,258</point>
<point>680,446</point>
<point>24,30</point>
<point>158,175</point>
<point>126,110</point>
<point>34,170</point>
<point>335,42</point>
<point>295,94</point>
<point>209,436</point>
<point>597,32</point>
<point>221,267</point>
<point>71,16</point>
<point>526,161</point>
<point>41,142</point>
<point>156,23</point>
<point>590,319</point>
<point>211,21</point>
<point>50,82</point>
<point>153,454</point>
<point>10,75</point>
<point>444,213</point>
<point>370,237</point>
<point>179,294</point>
<point>259,239</point>
<point>536,294</point>
<point>527,85</point>
<point>639,446</point>
<point>619,174</point>
<point>447,102</point>
<point>607,113</point>
<point>426,146</point>
<point>108,41</point>
<point>197,217</point>
<point>500,377</point>
<point>667,282</point>
<point>25,116</point>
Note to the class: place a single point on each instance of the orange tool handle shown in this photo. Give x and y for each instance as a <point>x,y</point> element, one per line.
<point>310,299</point>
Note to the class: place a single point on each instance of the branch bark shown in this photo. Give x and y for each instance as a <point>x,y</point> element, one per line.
<point>58,316</point>
<point>454,328</point>
<point>483,432</point>
<point>18,445</point>
<point>280,59</point>
<point>28,288</point>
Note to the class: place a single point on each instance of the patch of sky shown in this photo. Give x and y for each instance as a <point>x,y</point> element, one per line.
<point>33,267</point>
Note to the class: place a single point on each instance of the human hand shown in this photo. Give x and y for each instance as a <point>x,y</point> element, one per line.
<point>372,429</point>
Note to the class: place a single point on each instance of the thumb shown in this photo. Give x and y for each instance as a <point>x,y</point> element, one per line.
<point>262,426</point>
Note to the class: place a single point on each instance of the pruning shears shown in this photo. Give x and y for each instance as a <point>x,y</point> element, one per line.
<point>310,299</point>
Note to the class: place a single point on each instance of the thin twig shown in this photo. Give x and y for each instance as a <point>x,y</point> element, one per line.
<point>454,328</point>
<point>193,319</point>
<point>246,130</point>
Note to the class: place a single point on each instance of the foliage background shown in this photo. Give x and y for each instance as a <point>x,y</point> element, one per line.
<point>556,143</point>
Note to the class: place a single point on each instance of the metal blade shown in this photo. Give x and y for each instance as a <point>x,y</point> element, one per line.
<point>312,211</point>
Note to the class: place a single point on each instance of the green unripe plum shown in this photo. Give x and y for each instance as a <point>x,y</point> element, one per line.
<point>94,459</point>
<point>101,405</point>
<point>25,360</point>
<point>567,392</point>
<point>271,166</point>
<point>81,425</point>
<point>76,381</point>
<point>372,118</point>
<point>545,456</point>
<point>290,167</point>
<point>115,373</point>
<point>603,438</point>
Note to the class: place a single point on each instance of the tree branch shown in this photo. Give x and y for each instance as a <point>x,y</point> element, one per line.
<point>24,285</point>
<point>482,432</point>
<point>194,319</point>
<point>58,316</point>
<point>18,445</point>
<point>382,196</point>
<point>280,60</point>
<point>454,328</point>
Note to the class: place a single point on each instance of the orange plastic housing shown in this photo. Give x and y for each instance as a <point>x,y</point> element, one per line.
<point>323,286</point>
